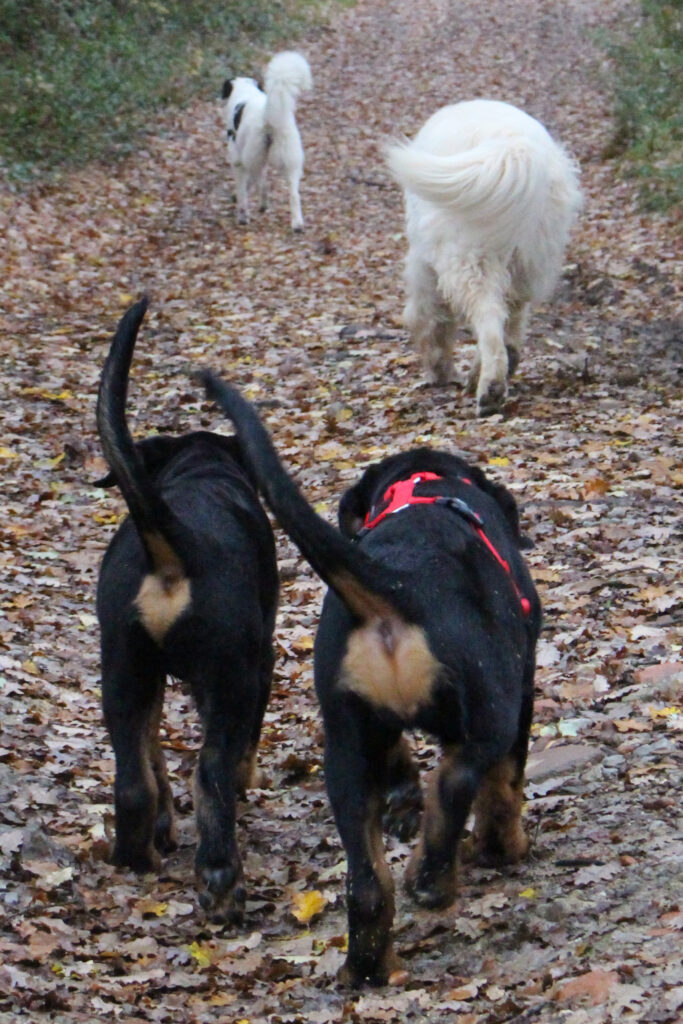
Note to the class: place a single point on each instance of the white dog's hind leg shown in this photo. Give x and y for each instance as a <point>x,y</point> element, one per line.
<point>242,182</point>
<point>262,186</point>
<point>515,331</point>
<point>491,389</point>
<point>429,321</point>
<point>296,216</point>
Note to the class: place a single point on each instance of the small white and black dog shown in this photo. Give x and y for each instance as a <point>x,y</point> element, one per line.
<point>262,131</point>
<point>490,199</point>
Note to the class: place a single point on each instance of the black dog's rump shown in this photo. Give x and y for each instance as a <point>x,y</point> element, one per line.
<point>188,588</point>
<point>430,622</point>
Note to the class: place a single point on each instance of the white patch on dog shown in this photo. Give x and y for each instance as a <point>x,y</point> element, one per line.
<point>389,663</point>
<point>490,200</point>
<point>262,131</point>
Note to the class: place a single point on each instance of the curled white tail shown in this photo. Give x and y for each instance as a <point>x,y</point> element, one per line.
<point>495,186</point>
<point>287,75</point>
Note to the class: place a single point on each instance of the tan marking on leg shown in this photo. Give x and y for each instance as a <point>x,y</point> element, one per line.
<point>248,774</point>
<point>389,663</point>
<point>434,824</point>
<point>498,830</point>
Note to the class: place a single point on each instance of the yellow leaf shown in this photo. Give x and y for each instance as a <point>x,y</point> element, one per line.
<point>57,459</point>
<point>303,643</point>
<point>7,453</point>
<point>199,954</point>
<point>30,667</point>
<point>528,894</point>
<point>105,520</point>
<point>501,460</point>
<point>345,415</point>
<point>307,905</point>
<point>125,299</point>
<point>152,907</point>
<point>664,712</point>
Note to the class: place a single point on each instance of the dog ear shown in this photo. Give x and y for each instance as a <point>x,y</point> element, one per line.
<point>259,84</point>
<point>227,89</point>
<point>352,511</point>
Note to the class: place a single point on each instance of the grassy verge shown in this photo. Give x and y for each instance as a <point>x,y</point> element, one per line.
<point>649,102</point>
<point>78,80</point>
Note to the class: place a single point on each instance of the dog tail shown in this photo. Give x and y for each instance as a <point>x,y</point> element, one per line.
<point>163,537</point>
<point>287,75</point>
<point>496,186</point>
<point>368,588</point>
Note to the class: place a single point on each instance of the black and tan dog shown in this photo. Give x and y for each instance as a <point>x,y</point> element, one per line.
<point>431,622</point>
<point>188,588</point>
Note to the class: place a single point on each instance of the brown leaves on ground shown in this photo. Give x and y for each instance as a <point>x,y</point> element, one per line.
<point>310,327</point>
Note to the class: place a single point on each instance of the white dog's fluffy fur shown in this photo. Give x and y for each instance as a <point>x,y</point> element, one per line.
<point>490,199</point>
<point>262,131</point>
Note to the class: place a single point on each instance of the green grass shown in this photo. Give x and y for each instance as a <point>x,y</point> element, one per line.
<point>78,80</point>
<point>649,102</point>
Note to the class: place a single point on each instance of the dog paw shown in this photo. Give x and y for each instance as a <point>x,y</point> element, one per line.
<point>223,895</point>
<point>140,861</point>
<point>359,972</point>
<point>432,897</point>
<point>490,400</point>
<point>165,834</point>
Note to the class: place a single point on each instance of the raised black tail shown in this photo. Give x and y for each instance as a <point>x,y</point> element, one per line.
<point>163,536</point>
<point>369,588</point>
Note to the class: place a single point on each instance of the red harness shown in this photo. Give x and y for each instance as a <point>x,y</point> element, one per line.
<point>401,495</point>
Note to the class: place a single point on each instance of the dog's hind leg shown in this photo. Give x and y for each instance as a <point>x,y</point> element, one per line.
<point>515,331</point>
<point>356,753</point>
<point>227,708</point>
<point>242,183</point>
<point>499,834</point>
<point>431,872</point>
<point>488,322</point>
<point>429,320</point>
<point>404,795</point>
<point>248,773</point>
<point>296,216</point>
<point>131,700</point>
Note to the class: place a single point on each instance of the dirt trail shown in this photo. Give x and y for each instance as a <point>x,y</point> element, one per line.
<point>588,929</point>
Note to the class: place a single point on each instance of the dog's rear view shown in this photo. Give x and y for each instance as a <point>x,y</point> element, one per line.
<point>187,588</point>
<point>262,131</point>
<point>490,199</point>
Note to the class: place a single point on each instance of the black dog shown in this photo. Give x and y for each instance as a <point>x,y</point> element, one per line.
<point>431,622</point>
<point>188,588</point>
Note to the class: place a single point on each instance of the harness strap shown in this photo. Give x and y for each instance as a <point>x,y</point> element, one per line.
<point>400,495</point>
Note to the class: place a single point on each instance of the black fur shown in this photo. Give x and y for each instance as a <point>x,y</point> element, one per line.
<point>227,89</point>
<point>421,580</point>
<point>199,540</point>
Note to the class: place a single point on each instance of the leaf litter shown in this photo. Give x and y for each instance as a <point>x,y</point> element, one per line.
<point>310,327</point>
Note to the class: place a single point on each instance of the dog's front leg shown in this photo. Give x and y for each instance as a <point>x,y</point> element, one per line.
<point>431,872</point>
<point>355,769</point>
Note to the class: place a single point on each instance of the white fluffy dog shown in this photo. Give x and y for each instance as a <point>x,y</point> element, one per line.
<point>262,131</point>
<point>490,199</point>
